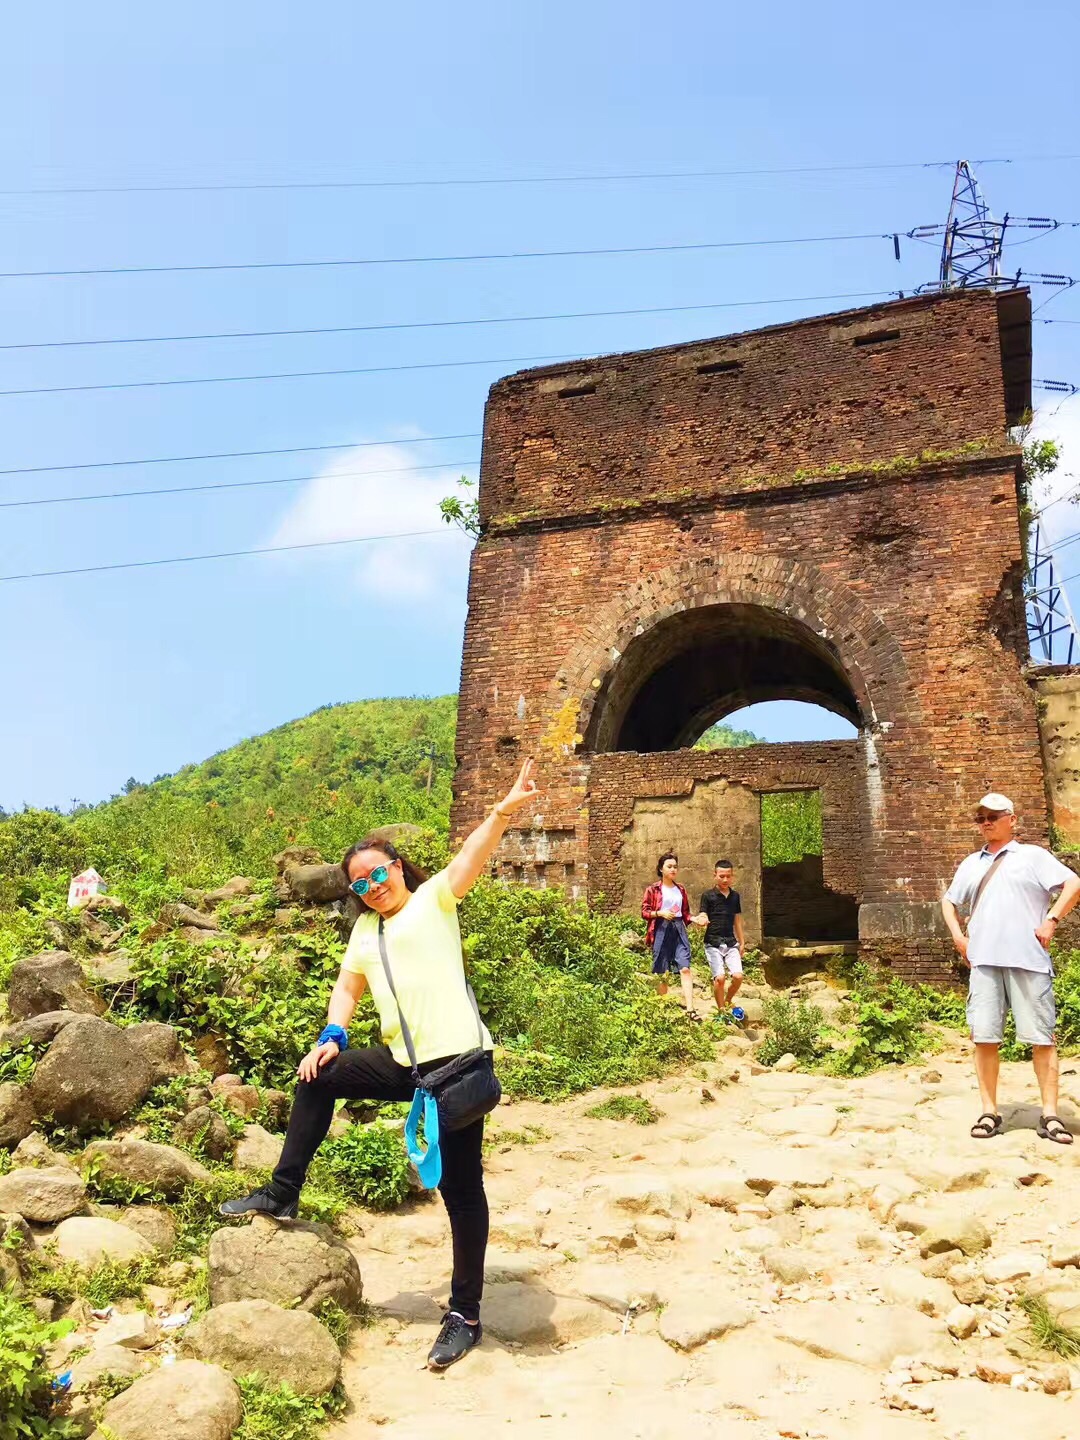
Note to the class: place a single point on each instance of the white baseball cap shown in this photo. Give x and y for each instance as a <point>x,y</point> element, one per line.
<point>996,801</point>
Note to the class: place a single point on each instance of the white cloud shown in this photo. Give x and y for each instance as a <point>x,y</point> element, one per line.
<point>391,497</point>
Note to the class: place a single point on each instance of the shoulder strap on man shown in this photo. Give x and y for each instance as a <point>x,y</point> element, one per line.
<point>980,890</point>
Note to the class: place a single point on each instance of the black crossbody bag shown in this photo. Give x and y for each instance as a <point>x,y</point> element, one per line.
<point>465,1088</point>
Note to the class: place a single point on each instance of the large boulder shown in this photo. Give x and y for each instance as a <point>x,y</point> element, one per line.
<point>17,1245</point>
<point>287,1347</point>
<point>231,890</point>
<point>39,1029</point>
<point>91,1074</point>
<point>115,1360</point>
<point>207,1128</point>
<point>153,1222</point>
<point>295,1265</point>
<point>178,915</point>
<point>52,980</point>
<point>42,1196</point>
<point>33,1150</point>
<point>88,1240</point>
<point>295,855</point>
<point>113,970</point>
<point>185,1401</point>
<point>257,1149</point>
<point>160,1044</point>
<point>165,1170</point>
<point>16,1115</point>
<point>317,884</point>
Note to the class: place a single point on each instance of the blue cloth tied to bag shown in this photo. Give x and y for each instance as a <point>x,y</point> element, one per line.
<point>428,1161</point>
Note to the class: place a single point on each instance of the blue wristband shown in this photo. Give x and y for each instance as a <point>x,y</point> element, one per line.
<point>336,1033</point>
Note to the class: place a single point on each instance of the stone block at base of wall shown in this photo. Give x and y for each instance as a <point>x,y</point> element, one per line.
<point>929,960</point>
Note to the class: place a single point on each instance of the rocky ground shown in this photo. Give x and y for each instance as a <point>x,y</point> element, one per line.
<point>781,1255</point>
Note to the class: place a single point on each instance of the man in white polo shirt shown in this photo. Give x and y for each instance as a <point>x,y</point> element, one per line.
<point>1007,891</point>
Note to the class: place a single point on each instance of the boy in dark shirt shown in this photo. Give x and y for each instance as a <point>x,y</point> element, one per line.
<point>721,914</point>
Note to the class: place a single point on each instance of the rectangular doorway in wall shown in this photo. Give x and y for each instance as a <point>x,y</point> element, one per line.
<point>796,903</point>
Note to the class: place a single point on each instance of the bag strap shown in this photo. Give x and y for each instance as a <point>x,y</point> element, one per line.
<point>406,1033</point>
<point>981,886</point>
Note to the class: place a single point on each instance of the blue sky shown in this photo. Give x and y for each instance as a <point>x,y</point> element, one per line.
<point>138,672</point>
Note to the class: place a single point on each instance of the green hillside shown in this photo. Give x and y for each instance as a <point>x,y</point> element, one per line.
<point>723,737</point>
<point>322,781</point>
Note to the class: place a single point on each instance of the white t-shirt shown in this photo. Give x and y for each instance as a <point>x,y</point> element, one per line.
<point>1013,904</point>
<point>671,899</point>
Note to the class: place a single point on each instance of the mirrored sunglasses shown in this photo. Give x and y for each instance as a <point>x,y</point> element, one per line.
<point>377,877</point>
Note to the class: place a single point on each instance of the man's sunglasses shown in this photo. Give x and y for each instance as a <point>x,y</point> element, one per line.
<point>378,876</point>
<point>990,819</point>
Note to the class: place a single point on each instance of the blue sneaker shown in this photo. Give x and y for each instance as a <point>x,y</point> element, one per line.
<point>738,1014</point>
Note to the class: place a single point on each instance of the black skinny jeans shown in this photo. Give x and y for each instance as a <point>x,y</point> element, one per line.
<point>375,1075</point>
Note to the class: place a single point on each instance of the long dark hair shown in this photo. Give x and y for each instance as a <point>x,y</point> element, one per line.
<point>667,855</point>
<point>414,876</point>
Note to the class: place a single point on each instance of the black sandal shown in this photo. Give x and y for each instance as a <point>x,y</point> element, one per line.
<point>1062,1135</point>
<point>987,1126</point>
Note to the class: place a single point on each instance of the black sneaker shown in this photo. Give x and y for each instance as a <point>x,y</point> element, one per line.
<point>263,1201</point>
<point>456,1338</point>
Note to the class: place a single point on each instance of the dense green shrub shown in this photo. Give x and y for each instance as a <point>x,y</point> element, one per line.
<point>267,1007</point>
<point>889,1028</point>
<point>367,1163</point>
<point>795,1028</point>
<point>280,1414</point>
<point>570,1007</point>
<point>25,1379</point>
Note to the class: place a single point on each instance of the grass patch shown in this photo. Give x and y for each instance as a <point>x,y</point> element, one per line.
<point>280,1414</point>
<point>104,1284</point>
<point>626,1107</point>
<point>1046,1330</point>
<point>341,1323</point>
<point>529,1135</point>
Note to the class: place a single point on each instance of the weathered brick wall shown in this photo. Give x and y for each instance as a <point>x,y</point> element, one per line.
<point>929,961</point>
<point>822,392</point>
<point>617,780</point>
<point>796,902</point>
<point>664,498</point>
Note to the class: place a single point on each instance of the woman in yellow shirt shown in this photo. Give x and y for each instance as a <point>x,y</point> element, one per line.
<point>420,922</point>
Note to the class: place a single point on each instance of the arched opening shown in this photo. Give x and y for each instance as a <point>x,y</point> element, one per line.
<point>697,666</point>
<point>780,813</point>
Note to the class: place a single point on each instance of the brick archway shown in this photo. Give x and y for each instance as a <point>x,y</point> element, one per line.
<point>827,613</point>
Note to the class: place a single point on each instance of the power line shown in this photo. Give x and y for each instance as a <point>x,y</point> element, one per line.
<point>439,259</point>
<point>220,555</point>
<point>227,485</point>
<point>350,370</point>
<point>240,454</point>
<point>281,375</point>
<point>442,184</point>
<point>434,324</point>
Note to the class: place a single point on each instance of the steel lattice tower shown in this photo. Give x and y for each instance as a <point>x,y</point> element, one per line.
<point>971,249</point>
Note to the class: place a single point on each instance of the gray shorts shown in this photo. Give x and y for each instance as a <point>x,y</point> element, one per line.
<point>994,990</point>
<point>723,955</point>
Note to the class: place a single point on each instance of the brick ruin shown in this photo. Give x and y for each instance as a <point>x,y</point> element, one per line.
<point>824,511</point>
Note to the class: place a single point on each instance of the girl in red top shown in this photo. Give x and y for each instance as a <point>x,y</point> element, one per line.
<point>666,908</point>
